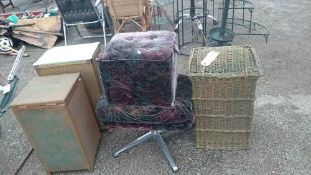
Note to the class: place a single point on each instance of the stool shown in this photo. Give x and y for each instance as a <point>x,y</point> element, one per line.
<point>58,120</point>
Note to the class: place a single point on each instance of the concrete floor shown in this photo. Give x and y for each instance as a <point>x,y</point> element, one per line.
<point>281,127</point>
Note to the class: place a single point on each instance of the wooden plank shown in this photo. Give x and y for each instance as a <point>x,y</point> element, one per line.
<point>47,24</point>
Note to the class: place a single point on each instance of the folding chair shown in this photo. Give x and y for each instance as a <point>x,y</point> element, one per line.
<point>3,6</point>
<point>81,12</point>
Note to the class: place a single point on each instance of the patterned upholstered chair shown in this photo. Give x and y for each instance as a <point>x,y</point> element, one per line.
<point>138,71</point>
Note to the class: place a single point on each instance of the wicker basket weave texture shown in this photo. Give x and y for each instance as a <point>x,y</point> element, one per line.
<point>127,8</point>
<point>223,96</point>
<point>223,140</point>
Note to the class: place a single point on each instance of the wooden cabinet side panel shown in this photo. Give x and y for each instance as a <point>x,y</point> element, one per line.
<point>84,121</point>
<point>52,138</point>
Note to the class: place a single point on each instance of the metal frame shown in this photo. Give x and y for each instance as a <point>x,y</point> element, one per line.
<point>252,28</point>
<point>194,17</point>
<point>12,83</point>
<point>223,35</point>
<point>244,5</point>
<point>3,6</point>
<point>101,18</point>
<point>155,135</point>
<point>160,15</point>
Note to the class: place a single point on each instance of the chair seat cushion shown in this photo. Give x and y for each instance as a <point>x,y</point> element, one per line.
<point>152,45</point>
<point>140,68</point>
<point>150,117</point>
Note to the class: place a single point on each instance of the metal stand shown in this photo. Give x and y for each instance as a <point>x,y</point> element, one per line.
<point>238,22</point>
<point>198,28</point>
<point>160,15</point>
<point>157,137</point>
<point>221,34</point>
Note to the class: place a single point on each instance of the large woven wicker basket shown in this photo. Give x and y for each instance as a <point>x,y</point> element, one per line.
<point>223,96</point>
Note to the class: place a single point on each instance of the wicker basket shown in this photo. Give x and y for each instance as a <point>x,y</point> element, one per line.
<point>223,96</point>
<point>222,140</point>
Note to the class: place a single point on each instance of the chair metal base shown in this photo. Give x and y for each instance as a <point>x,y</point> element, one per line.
<point>157,137</point>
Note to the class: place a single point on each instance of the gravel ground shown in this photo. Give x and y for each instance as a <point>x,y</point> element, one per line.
<point>281,127</point>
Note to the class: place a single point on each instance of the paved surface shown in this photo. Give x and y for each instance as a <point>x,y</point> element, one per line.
<point>281,127</point>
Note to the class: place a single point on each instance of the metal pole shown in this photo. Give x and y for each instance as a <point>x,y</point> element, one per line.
<point>192,9</point>
<point>182,15</point>
<point>233,11</point>
<point>224,18</point>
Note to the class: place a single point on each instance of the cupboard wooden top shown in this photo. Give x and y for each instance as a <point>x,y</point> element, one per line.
<point>72,54</point>
<point>46,90</point>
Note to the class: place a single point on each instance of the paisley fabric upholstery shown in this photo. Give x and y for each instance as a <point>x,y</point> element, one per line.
<point>140,68</point>
<point>151,117</point>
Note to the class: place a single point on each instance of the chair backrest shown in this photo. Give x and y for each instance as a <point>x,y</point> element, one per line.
<point>74,11</point>
<point>126,8</point>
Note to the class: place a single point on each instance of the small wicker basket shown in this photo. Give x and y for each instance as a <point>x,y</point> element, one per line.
<point>223,96</point>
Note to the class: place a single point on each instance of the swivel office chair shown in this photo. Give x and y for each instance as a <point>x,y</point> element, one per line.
<point>138,71</point>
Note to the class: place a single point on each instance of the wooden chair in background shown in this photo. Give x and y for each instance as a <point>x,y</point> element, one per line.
<point>129,11</point>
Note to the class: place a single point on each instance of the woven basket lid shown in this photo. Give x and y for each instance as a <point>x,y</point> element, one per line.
<point>232,61</point>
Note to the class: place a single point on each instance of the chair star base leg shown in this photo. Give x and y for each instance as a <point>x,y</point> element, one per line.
<point>136,142</point>
<point>165,151</point>
<point>157,137</point>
